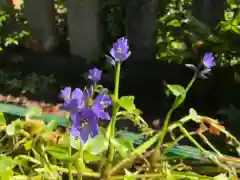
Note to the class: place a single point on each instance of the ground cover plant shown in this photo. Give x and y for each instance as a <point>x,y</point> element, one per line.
<point>78,139</point>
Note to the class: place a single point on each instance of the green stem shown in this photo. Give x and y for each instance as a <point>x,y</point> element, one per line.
<point>70,176</point>
<point>185,132</point>
<point>114,113</point>
<point>178,101</point>
<point>81,151</point>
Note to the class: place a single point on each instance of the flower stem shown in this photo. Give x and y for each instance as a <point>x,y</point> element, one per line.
<point>114,113</point>
<point>70,176</point>
<point>178,101</point>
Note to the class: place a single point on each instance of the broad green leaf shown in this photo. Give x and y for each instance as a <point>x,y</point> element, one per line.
<point>58,152</point>
<point>20,111</point>
<point>12,109</point>
<point>177,90</point>
<point>127,102</point>
<point>10,130</point>
<point>96,145</point>
<point>2,119</point>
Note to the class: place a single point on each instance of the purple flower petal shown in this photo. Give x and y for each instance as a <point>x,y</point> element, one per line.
<point>120,50</point>
<point>77,94</point>
<point>208,60</point>
<point>100,103</point>
<point>72,105</point>
<point>85,125</point>
<point>95,75</point>
<point>65,94</point>
<point>102,115</point>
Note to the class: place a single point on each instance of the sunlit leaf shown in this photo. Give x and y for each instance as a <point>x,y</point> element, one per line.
<point>10,129</point>
<point>33,112</point>
<point>52,125</point>
<point>193,114</point>
<point>96,145</point>
<point>127,102</point>
<point>129,175</point>
<point>88,158</point>
<point>34,126</point>
<point>120,147</point>
<point>75,142</point>
<point>174,23</point>
<point>2,119</point>
<point>28,145</point>
<point>6,167</point>
<point>58,152</point>
<point>177,90</point>
<point>221,177</point>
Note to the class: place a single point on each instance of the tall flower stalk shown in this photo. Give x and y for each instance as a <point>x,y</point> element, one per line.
<point>119,52</point>
<point>209,63</point>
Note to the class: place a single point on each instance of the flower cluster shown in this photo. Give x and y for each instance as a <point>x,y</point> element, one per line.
<point>85,112</point>
<point>85,115</point>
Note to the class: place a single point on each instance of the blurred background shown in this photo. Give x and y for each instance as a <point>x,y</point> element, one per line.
<point>49,44</point>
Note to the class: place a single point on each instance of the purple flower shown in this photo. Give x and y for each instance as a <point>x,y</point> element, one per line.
<point>73,101</point>
<point>208,60</point>
<point>100,103</point>
<point>84,118</point>
<point>120,51</point>
<point>95,75</point>
<point>84,125</point>
<point>209,63</point>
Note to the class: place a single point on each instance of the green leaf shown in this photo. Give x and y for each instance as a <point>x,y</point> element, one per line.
<point>177,90</point>
<point>127,102</point>
<point>28,145</point>
<point>88,158</point>
<point>96,145</point>
<point>6,167</point>
<point>57,152</point>
<point>129,175</point>
<point>121,148</point>
<point>2,119</point>
<point>10,130</point>
<point>221,177</point>
<point>52,125</point>
<point>12,109</point>
<point>193,114</point>
<point>75,143</point>
<point>174,23</point>
<point>33,112</point>
<point>20,111</point>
